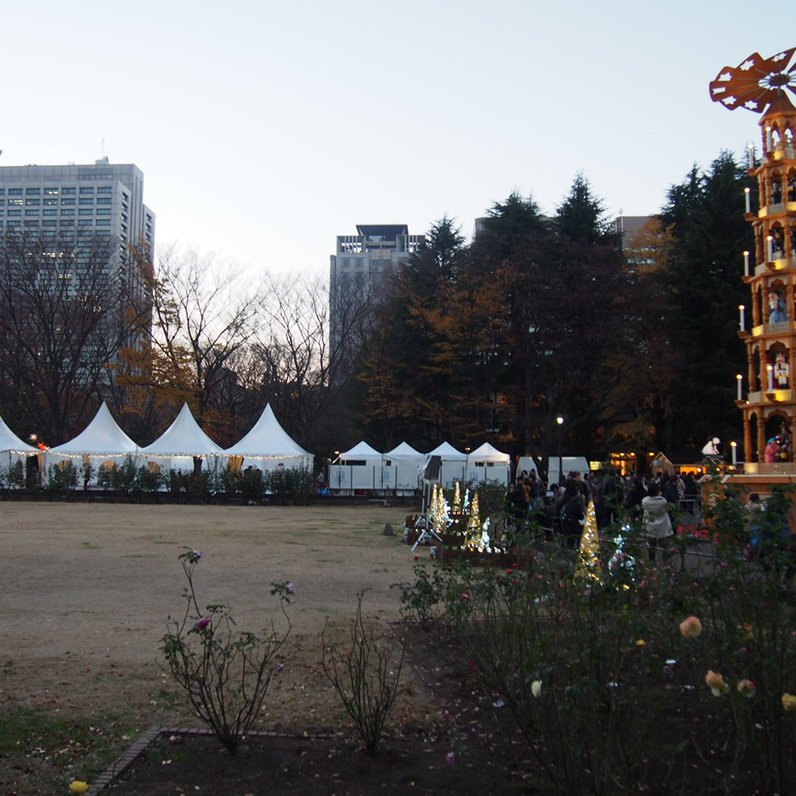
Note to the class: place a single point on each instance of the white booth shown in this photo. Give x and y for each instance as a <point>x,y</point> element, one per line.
<point>359,468</point>
<point>487,464</point>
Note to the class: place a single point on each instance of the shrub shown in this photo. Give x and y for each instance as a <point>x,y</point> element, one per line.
<point>365,675</point>
<point>15,474</point>
<point>225,672</point>
<point>62,477</point>
<point>633,674</point>
<point>290,485</point>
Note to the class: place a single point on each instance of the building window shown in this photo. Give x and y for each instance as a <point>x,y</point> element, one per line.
<point>87,191</point>
<point>103,222</point>
<point>32,213</point>
<point>51,191</point>
<point>67,212</point>
<point>103,211</point>
<point>50,201</point>
<point>86,200</point>
<point>104,200</point>
<point>86,211</point>
<point>15,201</point>
<point>49,223</point>
<point>67,201</point>
<point>105,189</point>
<point>15,191</point>
<point>47,212</point>
<point>85,222</point>
<point>33,191</point>
<point>70,191</point>
<point>14,212</point>
<point>33,201</point>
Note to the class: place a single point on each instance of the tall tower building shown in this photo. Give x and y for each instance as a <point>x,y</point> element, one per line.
<point>74,201</point>
<point>357,270</point>
<point>768,326</point>
<point>80,234</point>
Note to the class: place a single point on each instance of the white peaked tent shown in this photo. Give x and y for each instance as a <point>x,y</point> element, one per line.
<point>102,436</point>
<point>402,468</point>
<point>454,464</point>
<point>100,442</point>
<point>175,448</point>
<point>268,445</point>
<point>12,448</point>
<point>357,468</point>
<point>487,463</point>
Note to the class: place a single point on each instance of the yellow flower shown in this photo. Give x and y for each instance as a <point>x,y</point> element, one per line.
<point>78,786</point>
<point>691,627</point>
<point>715,682</point>
<point>789,702</point>
<point>641,643</point>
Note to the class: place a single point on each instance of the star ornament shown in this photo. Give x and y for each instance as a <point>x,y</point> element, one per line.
<point>756,82</point>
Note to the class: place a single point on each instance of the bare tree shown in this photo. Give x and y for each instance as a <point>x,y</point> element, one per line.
<point>64,314</point>
<point>201,318</point>
<point>294,366</point>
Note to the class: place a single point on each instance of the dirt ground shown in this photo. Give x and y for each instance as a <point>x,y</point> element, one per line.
<point>87,589</point>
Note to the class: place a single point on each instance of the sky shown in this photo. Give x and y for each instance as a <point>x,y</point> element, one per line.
<point>266,129</point>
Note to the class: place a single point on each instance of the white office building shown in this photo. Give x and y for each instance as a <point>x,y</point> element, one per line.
<point>81,211</point>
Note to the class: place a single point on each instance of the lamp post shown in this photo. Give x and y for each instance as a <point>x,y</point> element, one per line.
<point>560,421</point>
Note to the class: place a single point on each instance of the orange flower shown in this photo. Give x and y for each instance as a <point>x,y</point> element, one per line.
<point>691,627</point>
<point>715,682</point>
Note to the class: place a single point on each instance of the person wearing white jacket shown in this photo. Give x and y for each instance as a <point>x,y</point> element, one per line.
<point>657,525</point>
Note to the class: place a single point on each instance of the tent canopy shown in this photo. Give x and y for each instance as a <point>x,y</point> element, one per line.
<point>267,439</point>
<point>11,442</point>
<point>183,437</point>
<point>102,436</point>
<point>488,453</point>
<point>361,451</point>
<point>403,451</point>
<point>447,452</point>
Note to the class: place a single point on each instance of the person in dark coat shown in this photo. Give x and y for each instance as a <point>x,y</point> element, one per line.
<point>635,495</point>
<point>572,514</point>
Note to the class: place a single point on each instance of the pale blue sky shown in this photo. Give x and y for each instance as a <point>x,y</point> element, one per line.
<point>266,129</point>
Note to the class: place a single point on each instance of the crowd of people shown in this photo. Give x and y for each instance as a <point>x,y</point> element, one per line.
<point>654,504</point>
<point>653,501</point>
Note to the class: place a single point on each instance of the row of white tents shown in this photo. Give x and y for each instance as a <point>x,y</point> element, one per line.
<point>403,469</point>
<point>267,446</point>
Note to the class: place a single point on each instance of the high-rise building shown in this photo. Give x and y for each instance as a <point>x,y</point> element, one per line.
<point>357,271</point>
<point>81,202</point>
<point>73,201</point>
<point>91,223</point>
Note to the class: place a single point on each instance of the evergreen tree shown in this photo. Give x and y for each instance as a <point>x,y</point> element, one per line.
<point>703,288</point>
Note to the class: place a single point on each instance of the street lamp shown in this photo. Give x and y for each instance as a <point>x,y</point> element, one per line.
<point>560,421</point>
